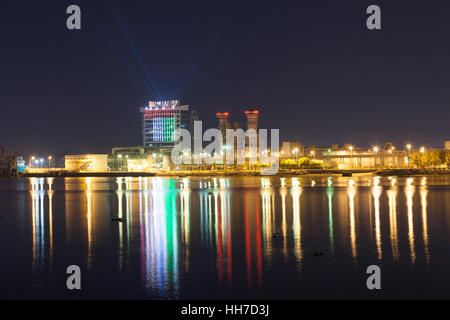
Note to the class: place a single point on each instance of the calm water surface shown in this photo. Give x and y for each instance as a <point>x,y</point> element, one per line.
<point>213,237</point>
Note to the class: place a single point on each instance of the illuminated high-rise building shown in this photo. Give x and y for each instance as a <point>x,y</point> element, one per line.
<point>252,119</point>
<point>252,124</point>
<point>161,118</point>
<point>224,122</point>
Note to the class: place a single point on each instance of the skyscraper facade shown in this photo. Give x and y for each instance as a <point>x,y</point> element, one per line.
<point>161,119</point>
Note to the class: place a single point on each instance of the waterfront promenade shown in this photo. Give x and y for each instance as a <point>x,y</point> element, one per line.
<point>238,173</point>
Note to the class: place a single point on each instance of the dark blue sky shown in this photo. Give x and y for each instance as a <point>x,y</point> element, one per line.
<point>311,67</point>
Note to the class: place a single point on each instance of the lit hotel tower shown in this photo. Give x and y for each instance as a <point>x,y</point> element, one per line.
<point>224,122</point>
<point>161,118</point>
<point>252,119</point>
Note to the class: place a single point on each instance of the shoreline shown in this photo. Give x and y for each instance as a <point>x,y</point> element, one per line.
<point>412,172</point>
<point>281,173</point>
<point>315,173</point>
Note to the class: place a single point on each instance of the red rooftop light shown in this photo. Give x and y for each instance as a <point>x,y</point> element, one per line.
<point>252,112</point>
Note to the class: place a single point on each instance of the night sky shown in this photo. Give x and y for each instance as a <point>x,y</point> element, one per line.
<point>312,68</point>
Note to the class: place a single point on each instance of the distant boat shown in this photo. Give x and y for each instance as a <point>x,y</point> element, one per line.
<point>118,219</point>
<point>21,165</point>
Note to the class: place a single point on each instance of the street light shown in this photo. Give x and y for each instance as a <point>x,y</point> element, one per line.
<point>393,157</point>
<point>351,155</point>
<point>408,146</point>
<point>375,149</point>
<point>49,160</point>
<point>120,162</point>
<point>422,149</point>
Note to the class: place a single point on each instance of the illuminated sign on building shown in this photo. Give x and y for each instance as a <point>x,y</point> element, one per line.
<point>161,118</point>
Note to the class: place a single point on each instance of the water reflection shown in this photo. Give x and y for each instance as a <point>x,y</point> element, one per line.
<point>409,191</point>
<point>38,227</point>
<point>223,229</point>
<point>119,193</point>
<point>129,210</point>
<point>159,238</point>
<point>377,190</point>
<point>89,220</point>
<point>296,192</point>
<point>392,195</point>
<point>283,194</point>
<point>225,210</point>
<point>351,191</point>
<point>50,193</point>
<point>423,204</point>
<point>185,219</point>
<point>253,230</point>
<point>330,192</point>
<point>267,205</point>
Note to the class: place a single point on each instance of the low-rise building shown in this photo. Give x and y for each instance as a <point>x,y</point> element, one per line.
<point>87,163</point>
<point>137,158</point>
<point>139,165</point>
<point>8,165</point>
<point>350,157</point>
<point>291,150</point>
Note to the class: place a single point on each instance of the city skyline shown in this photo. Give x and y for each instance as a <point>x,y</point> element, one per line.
<point>173,114</point>
<point>234,158</point>
<point>338,82</point>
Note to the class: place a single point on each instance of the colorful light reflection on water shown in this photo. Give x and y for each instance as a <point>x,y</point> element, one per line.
<point>225,237</point>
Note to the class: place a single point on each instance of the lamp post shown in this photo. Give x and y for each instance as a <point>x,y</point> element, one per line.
<point>49,161</point>
<point>394,156</point>
<point>408,146</point>
<point>120,162</point>
<point>351,156</point>
<point>375,149</point>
